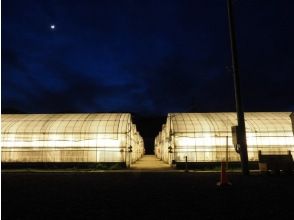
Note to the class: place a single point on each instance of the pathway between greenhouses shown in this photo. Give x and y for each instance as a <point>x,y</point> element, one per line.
<point>150,162</point>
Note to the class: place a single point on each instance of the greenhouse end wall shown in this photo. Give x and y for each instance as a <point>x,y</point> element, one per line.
<point>292,119</point>
<point>207,137</point>
<point>56,138</point>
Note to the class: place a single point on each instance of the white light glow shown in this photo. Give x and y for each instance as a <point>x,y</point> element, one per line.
<point>69,137</point>
<point>63,143</point>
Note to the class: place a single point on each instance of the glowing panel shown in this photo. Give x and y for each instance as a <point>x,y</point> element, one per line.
<point>69,138</point>
<point>207,136</point>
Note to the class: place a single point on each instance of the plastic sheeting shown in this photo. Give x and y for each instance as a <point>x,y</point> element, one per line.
<point>69,138</point>
<point>207,137</point>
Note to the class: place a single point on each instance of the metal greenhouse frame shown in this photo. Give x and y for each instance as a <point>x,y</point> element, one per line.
<point>207,137</point>
<point>58,138</point>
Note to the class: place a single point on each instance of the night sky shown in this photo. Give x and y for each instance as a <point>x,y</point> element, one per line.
<point>145,57</point>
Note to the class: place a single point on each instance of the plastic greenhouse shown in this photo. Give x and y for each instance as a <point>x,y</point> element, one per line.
<point>70,138</point>
<point>207,137</point>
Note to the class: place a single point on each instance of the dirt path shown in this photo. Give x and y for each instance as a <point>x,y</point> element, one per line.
<point>150,162</point>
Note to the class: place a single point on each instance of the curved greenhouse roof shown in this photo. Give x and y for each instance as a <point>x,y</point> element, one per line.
<point>222,122</point>
<point>65,123</point>
<point>69,138</point>
<point>207,136</point>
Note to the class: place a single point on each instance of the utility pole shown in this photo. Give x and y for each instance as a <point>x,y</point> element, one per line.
<point>241,131</point>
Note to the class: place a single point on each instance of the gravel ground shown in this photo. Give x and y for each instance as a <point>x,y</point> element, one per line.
<point>143,195</point>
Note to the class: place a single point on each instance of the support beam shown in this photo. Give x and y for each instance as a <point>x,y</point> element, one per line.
<point>240,114</point>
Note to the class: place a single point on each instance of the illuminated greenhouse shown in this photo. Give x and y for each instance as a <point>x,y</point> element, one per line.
<point>89,138</point>
<point>207,137</point>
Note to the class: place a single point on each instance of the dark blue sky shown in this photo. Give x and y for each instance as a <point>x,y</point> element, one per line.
<point>148,57</point>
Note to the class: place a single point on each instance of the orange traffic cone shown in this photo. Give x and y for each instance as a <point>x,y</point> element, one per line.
<point>224,181</point>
